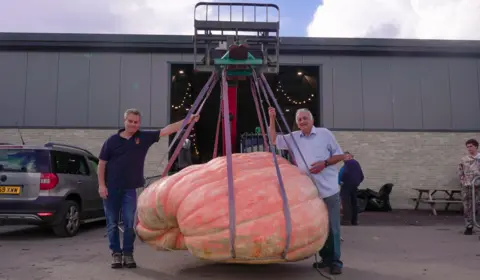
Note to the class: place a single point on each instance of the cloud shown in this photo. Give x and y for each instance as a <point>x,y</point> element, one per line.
<point>98,16</point>
<point>109,16</point>
<point>412,19</point>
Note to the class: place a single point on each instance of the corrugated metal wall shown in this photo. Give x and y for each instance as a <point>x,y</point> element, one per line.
<point>398,93</point>
<point>82,90</point>
<point>49,89</point>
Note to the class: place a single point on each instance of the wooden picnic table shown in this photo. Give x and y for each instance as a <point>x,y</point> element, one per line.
<point>432,200</point>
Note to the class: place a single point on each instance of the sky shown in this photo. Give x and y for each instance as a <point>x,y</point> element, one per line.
<point>410,19</point>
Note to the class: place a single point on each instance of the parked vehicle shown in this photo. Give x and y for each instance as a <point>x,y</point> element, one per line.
<point>53,185</point>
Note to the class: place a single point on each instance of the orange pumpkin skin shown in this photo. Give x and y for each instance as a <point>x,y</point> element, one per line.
<point>189,210</point>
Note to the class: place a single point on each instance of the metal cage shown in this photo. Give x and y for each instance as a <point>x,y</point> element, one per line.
<point>264,43</point>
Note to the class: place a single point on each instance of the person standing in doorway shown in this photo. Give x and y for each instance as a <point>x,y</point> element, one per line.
<point>351,177</point>
<point>321,152</point>
<point>120,173</point>
<point>185,156</point>
<point>468,169</point>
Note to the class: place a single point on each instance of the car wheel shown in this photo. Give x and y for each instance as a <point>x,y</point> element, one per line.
<point>69,220</point>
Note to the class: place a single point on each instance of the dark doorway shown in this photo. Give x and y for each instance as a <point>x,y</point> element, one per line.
<point>294,87</point>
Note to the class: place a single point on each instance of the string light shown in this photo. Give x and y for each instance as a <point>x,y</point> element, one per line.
<point>280,90</point>
<point>186,95</point>
<point>193,137</point>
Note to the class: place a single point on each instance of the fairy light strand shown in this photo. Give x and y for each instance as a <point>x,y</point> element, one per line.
<point>280,90</point>
<point>186,95</point>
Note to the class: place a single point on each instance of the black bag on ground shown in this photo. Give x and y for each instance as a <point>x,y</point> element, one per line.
<point>370,200</point>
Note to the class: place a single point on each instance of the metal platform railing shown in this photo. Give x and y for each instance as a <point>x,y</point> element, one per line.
<point>223,24</point>
<point>253,142</point>
<point>218,33</point>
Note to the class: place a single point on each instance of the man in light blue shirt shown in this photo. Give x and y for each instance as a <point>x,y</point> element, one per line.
<point>321,152</point>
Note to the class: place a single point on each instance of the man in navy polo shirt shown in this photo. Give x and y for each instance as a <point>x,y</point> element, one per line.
<point>120,173</point>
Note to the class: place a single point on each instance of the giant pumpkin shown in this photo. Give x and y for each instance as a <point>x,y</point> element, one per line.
<point>190,210</point>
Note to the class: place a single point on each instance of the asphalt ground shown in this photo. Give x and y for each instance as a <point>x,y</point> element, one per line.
<point>394,246</point>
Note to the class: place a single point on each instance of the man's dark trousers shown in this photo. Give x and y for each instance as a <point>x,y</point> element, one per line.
<point>350,204</point>
<point>124,200</point>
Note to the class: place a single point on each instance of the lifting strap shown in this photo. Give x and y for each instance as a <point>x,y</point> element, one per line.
<point>257,107</point>
<point>217,131</point>
<point>228,150</point>
<point>257,85</point>
<point>264,85</point>
<point>255,79</point>
<point>208,87</point>
<point>283,193</point>
<point>207,90</point>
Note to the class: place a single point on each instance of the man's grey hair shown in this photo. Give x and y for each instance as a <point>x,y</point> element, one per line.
<point>303,110</point>
<point>134,111</point>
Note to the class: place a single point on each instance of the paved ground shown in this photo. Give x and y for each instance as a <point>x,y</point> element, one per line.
<point>394,246</point>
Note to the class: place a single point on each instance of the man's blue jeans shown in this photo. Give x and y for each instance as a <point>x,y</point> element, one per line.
<point>124,200</point>
<point>330,252</point>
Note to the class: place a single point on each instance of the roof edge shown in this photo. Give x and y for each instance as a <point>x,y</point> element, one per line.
<point>184,43</point>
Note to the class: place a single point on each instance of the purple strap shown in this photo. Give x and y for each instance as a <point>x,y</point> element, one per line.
<point>194,107</point>
<point>283,193</point>
<point>207,89</point>
<point>257,106</point>
<point>279,111</point>
<point>228,148</point>
<point>217,133</point>
<point>268,103</point>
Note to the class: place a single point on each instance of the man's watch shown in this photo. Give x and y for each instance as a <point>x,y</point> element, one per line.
<point>326,163</point>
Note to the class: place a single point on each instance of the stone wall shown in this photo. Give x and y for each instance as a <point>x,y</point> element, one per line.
<point>407,159</point>
<point>91,139</point>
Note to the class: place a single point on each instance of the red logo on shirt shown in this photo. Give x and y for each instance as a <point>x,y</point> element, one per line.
<point>137,140</point>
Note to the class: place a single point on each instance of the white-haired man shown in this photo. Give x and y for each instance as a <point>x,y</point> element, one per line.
<point>321,152</point>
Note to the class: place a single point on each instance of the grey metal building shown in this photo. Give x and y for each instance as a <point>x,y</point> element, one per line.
<point>404,107</point>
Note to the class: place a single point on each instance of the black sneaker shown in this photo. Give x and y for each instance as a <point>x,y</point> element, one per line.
<point>129,261</point>
<point>335,270</point>
<point>320,265</point>
<point>117,260</point>
<point>468,231</point>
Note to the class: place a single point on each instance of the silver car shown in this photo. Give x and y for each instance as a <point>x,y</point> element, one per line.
<point>53,185</point>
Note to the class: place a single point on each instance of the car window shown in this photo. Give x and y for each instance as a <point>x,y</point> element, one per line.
<point>94,162</point>
<point>24,160</point>
<point>68,163</point>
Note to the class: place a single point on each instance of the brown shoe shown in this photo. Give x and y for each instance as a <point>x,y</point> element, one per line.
<point>320,265</point>
<point>468,231</point>
<point>335,270</point>
<point>129,261</point>
<point>117,260</point>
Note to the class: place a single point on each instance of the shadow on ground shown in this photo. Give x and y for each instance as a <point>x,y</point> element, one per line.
<point>302,271</point>
<point>411,218</point>
<point>18,233</point>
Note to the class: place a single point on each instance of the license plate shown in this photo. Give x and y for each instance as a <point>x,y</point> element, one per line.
<point>9,190</point>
